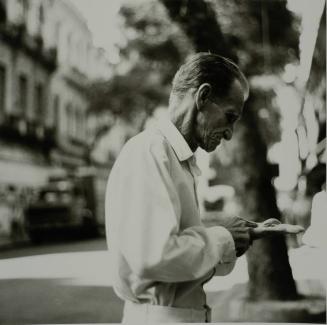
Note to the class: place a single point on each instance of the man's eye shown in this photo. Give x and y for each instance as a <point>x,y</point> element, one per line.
<point>231,118</point>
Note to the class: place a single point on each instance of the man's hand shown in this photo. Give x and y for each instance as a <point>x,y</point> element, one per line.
<point>240,230</point>
<point>273,227</point>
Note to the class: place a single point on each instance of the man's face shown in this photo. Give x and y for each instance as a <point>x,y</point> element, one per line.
<point>217,118</point>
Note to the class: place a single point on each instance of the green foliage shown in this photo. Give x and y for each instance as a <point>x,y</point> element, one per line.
<point>318,68</point>
<point>159,44</point>
<point>267,114</point>
<point>125,95</point>
<point>261,34</point>
<point>264,34</point>
<point>199,23</point>
<point>153,51</point>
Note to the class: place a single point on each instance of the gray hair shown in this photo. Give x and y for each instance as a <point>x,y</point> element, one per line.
<point>214,69</point>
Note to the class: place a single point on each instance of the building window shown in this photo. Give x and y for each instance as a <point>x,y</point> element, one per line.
<point>23,7</point>
<point>69,119</point>
<point>68,49</point>
<point>41,15</point>
<point>57,34</point>
<point>39,101</point>
<point>2,88</point>
<point>56,107</point>
<point>75,122</point>
<point>3,14</point>
<point>79,125</point>
<point>82,126</point>
<point>39,20</point>
<point>22,94</point>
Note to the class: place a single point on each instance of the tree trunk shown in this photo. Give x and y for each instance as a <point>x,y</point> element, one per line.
<point>269,269</point>
<point>194,17</point>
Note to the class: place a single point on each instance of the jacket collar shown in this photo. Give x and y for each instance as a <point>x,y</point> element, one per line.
<point>175,138</point>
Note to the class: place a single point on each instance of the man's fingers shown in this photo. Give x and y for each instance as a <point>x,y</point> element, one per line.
<point>271,222</point>
<point>243,239</point>
<point>249,223</point>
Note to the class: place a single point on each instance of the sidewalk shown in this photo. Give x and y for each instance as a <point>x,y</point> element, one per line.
<point>75,276</point>
<point>6,243</point>
<point>94,268</point>
<point>308,268</point>
<point>227,294</point>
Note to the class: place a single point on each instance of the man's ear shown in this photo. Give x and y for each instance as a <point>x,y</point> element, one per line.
<point>202,95</point>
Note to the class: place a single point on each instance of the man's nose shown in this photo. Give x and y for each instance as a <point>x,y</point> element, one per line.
<point>228,134</point>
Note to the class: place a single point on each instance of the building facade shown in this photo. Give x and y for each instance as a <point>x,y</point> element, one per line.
<point>47,60</point>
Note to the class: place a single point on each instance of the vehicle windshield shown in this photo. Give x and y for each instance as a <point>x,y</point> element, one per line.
<point>56,196</point>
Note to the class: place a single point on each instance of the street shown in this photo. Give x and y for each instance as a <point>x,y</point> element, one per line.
<point>58,283</point>
<point>71,283</point>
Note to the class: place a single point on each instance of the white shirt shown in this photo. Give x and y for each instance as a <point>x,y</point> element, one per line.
<point>315,234</point>
<point>163,253</point>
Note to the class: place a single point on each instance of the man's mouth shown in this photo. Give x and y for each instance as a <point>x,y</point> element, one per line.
<point>216,137</point>
<point>214,142</point>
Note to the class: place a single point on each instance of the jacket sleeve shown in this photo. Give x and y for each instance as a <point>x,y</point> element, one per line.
<point>143,212</point>
<point>227,263</point>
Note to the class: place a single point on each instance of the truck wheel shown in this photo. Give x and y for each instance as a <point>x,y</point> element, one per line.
<point>90,228</point>
<point>36,237</point>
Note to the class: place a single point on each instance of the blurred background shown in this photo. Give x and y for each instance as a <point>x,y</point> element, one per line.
<point>78,78</point>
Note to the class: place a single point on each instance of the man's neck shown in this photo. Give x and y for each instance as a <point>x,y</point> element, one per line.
<point>181,114</point>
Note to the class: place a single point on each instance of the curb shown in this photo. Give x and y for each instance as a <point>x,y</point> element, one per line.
<point>8,244</point>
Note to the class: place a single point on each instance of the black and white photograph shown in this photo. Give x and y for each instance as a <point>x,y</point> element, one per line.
<point>163,161</point>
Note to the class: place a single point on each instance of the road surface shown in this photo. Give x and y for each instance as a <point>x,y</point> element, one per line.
<point>58,283</point>
<point>71,283</point>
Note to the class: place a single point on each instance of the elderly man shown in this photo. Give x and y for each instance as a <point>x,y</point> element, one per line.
<point>163,254</point>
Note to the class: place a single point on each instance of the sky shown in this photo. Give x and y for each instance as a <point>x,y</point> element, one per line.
<point>102,19</point>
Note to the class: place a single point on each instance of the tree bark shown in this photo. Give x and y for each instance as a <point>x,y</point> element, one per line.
<point>270,273</point>
<point>194,18</point>
<point>269,269</point>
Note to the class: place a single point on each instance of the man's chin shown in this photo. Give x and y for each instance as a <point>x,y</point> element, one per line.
<point>211,148</point>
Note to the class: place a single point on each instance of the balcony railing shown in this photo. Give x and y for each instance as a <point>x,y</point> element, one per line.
<point>31,133</point>
<point>76,79</point>
<point>17,37</point>
<point>3,14</point>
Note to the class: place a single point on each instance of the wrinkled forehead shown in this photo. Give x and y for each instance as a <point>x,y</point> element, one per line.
<point>237,92</point>
<point>236,95</point>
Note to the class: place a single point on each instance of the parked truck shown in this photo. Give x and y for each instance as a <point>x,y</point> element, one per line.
<point>66,205</point>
